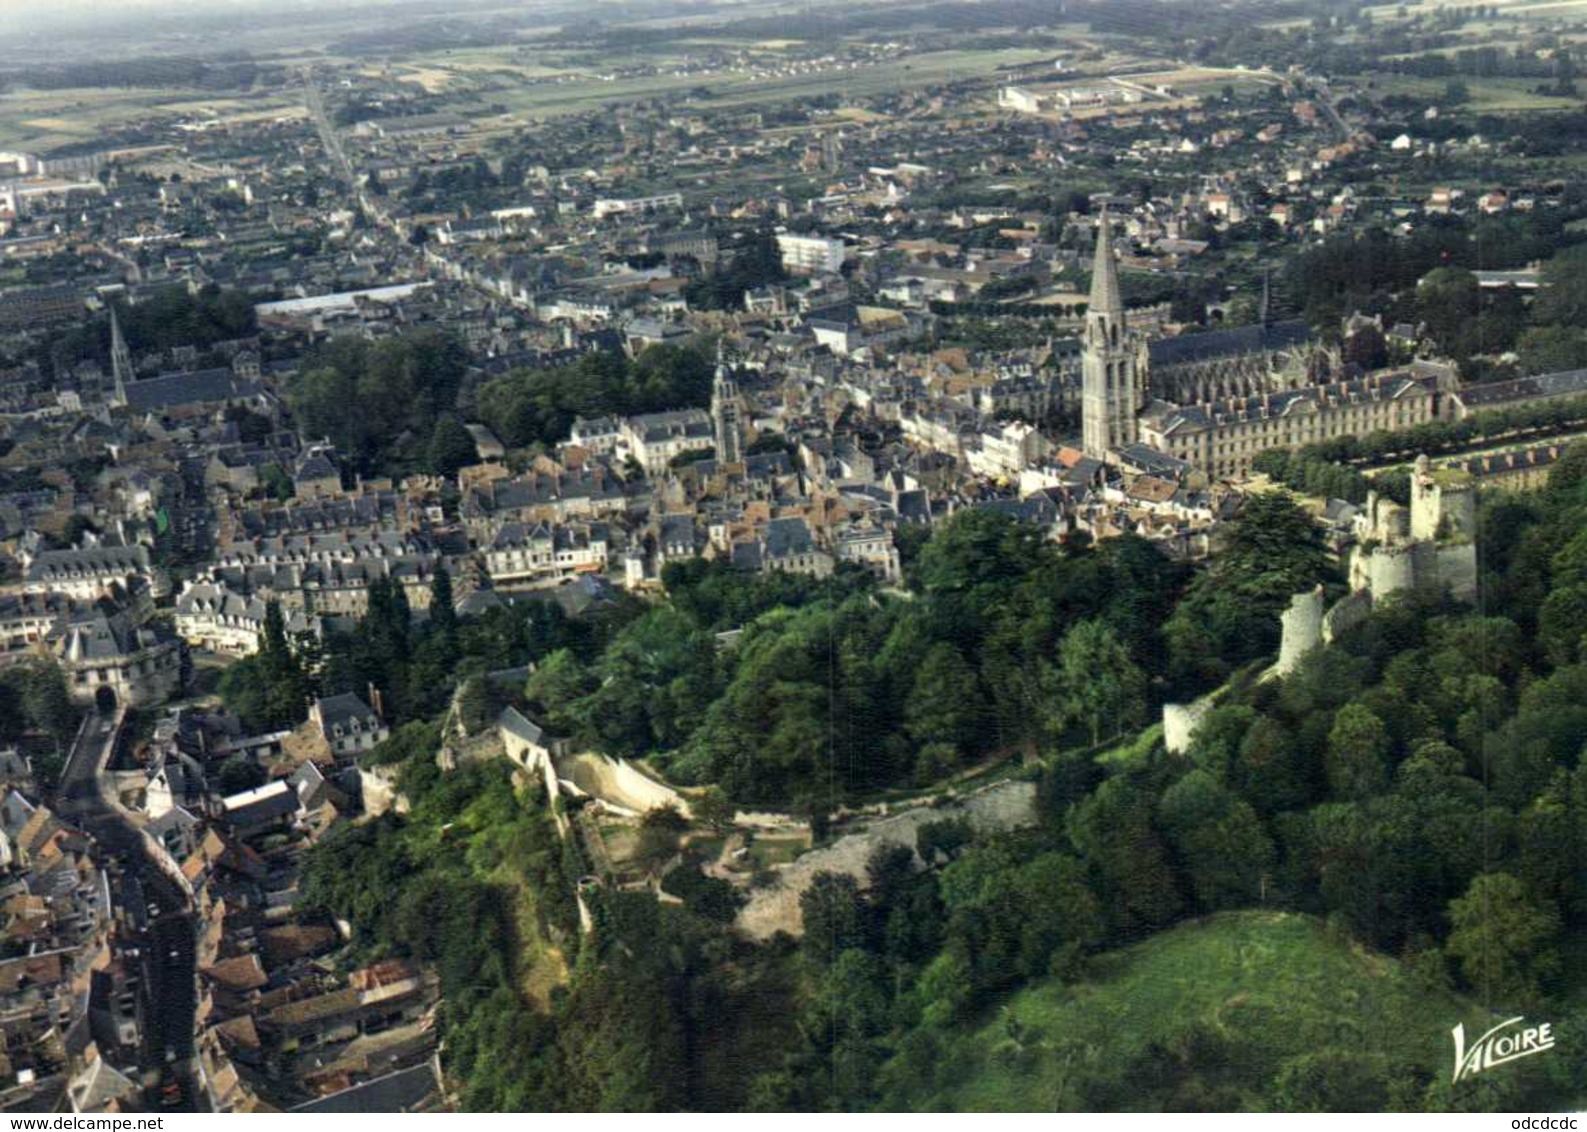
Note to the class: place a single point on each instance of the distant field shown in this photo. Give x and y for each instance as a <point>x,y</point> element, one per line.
<point>1274,983</point>
<point>1484,94</point>
<point>41,120</point>
<point>732,88</point>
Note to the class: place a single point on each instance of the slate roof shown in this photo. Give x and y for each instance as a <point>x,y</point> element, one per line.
<point>402,1091</point>
<point>342,709</point>
<point>1039,508</point>
<point>676,422</point>
<point>99,637</point>
<point>199,387</point>
<point>1170,418</point>
<point>88,561</point>
<point>787,537</point>
<point>677,531</point>
<point>316,466</point>
<point>1153,462</point>
<point>1566,383</point>
<point>1254,338</point>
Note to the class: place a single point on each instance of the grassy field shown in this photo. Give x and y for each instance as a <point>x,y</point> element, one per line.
<point>734,89</point>
<point>1485,95</point>
<point>39,120</point>
<point>1276,984</point>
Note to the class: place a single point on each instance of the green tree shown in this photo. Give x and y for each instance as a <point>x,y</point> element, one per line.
<point>1447,300</point>
<point>1221,841</point>
<point>1230,616</point>
<point>379,402</point>
<point>443,607</point>
<point>1562,299</point>
<point>1019,919</point>
<point>944,991</point>
<point>1331,1081</point>
<point>712,807</point>
<point>945,705</point>
<point>1552,349</point>
<point>978,548</point>
<point>12,721</point>
<point>556,686</point>
<point>1096,684</point>
<point>451,447</point>
<point>1562,624</point>
<point>834,916</point>
<point>1357,753</point>
<point>45,701</point>
<point>1115,831</point>
<point>238,774</point>
<point>1504,939</point>
<point>477,704</point>
<point>660,832</point>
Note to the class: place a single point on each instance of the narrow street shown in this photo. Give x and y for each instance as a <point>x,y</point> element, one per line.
<point>167,946</point>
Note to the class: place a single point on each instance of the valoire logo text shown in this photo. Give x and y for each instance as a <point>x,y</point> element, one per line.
<point>1507,1041</point>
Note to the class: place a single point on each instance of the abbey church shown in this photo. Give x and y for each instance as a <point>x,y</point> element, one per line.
<point>1217,399</point>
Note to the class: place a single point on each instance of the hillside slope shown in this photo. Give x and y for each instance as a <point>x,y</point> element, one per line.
<point>1244,1010</point>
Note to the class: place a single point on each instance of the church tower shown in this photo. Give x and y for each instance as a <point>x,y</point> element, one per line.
<point>1109,381</point>
<point>120,361</point>
<point>725,414</point>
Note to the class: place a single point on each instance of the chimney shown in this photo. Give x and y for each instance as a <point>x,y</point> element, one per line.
<point>376,701</point>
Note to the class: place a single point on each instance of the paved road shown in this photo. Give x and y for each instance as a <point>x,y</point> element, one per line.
<point>168,944</point>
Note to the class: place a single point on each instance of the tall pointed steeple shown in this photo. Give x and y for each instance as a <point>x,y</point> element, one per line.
<point>725,413</point>
<point>120,361</point>
<point>1110,360</point>
<point>1105,295</point>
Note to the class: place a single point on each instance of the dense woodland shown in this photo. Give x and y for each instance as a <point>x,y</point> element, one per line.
<point>529,407</point>
<point>171,316</point>
<point>1425,279</point>
<point>34,702</point>
<point>1417,788</point>
<point>395,406</point>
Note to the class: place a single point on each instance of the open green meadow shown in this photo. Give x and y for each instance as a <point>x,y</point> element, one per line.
<point>1483,95</point>
<point>589,92</point>
<point>1271,986</point>
<point>40,120</point>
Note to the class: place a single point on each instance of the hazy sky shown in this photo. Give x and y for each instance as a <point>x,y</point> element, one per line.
<point>29,15</point>
<point>41,9</point>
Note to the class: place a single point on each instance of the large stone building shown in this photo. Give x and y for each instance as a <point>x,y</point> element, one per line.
<point>1242,361</point>
<point>210,615</point>
<point>654,440</point>
<point>347,725</point>
<point>1217,400</point>
<point>86,572</point>
<point>109,661</point>
<point>1222,438</point>
<point>810,255</point>
<point>526,556</point>
<point>1433,546</point>
<point>1430,547</point>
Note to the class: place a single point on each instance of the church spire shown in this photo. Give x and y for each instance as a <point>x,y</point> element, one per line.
<point>120,360</point>
<point>725,413</point>
<point>1105,295</point>
<point>1110,381</point>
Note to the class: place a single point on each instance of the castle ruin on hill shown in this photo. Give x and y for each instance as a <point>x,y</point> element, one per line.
<point>1429,546</point>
